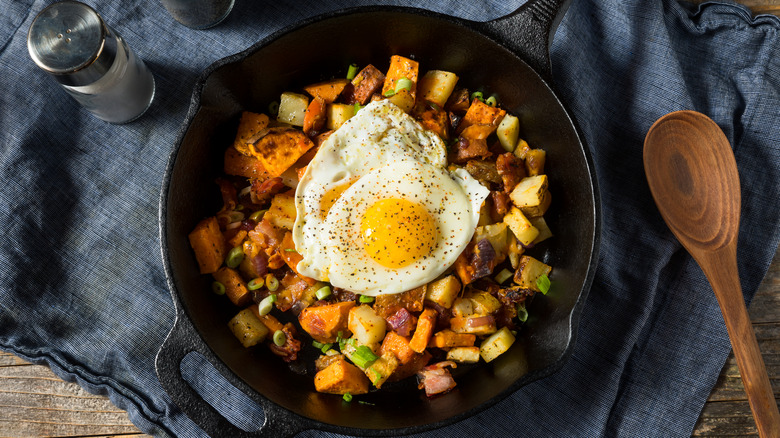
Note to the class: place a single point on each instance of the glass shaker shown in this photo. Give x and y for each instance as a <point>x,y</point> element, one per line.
<point>199,14</point>
<point>70,41</point>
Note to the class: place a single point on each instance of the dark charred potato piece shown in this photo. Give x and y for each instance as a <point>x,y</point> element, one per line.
<point>466,149</point>
<point>483,171</point>
<point>369,81</point>
<point>458,102</point>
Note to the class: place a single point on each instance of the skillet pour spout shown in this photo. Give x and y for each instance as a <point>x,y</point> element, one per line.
<point>508,57</point>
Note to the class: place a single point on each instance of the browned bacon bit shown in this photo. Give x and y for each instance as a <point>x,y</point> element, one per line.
<point>468,149</point>
<point>289,350</point>
<point>484,258</point>
<point>343,294</point>
<point>436,379</point>
<point>402,322</point>
<point>263,191</point>
<point>511,169</point>
<point>266,235</point>
<point>501,202</point>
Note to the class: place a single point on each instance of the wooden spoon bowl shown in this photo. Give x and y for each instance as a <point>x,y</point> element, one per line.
<point>693,177</point>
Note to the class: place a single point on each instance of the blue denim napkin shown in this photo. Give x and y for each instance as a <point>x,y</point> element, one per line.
<point>82,288</point>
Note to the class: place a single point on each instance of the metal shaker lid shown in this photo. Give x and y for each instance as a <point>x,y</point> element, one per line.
<point>71,41</point>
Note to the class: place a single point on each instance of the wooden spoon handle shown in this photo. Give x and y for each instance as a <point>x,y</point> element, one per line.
<point>720,267</point>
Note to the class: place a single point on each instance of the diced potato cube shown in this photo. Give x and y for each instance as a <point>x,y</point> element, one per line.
<point>497,344</point>
<point>401,67</point>
<point>529,191</point>
<point>529,270</point>
<point>436,86</point>
<point>520,225</point>
<point>443,291</point>
<point>464,354</point>
<point>544,231</point>
<point>367,327</point>
<point>521,149</point>
<point>247,328</point>
<point>497,236</point>
<point>508,131</point>
<point>404,100</point>
<point>534,161</point>
<point>462,307</point>
<point>541,209</point>
<point>292,108</point>
<point>282,212</point>
<point>208,243</point>
<point>381,369</point>
<point>341,377</point>
<point>338,113</point>
<point>515,251</point>
<point>475,325</point>
<point>483,302</point>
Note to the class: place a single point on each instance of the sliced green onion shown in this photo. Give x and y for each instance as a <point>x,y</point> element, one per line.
<point>317,344</point>
<point>403,84</point>
<point>366,403</point>
<point>331,352</point>
<point>218,288</point>
<point>271,282</point>
<point>279,338</point>
<point>235,257</point>
<point>522,313</point>
<point>290,250</point>
<point>363,357</point>
<point>503,276</point>
<point>258,215</point>
<point>543,283</point>
<point>389,93</point>
<point>477,95</point>
<point>366,299</point>
<point>347,397</point>
<point>266,304</point>
<point>255,283</point>
<point>326,348</point>
<point>340,339</point>
<point>273,108</point>
<point>323,292</point>
<point>492,101</point>
<point>352,71</point>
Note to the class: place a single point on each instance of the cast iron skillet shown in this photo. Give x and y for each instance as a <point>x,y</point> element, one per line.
<point>509,57</point>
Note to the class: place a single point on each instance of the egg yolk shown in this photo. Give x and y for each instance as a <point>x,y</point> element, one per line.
<point>396,232</point>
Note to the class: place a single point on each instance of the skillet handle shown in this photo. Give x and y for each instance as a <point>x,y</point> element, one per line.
<point>528,32</point>
<point>182,340</point>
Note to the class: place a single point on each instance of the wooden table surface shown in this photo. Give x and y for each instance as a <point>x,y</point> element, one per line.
<point>35,402</point>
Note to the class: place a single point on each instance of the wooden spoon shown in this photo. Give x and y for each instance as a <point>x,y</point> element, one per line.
<point>693,178</point>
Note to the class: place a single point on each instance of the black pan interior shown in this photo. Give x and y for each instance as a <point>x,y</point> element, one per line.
<point>319,51</point>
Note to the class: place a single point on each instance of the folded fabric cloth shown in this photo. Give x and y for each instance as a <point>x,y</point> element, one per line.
<point>82,287</point>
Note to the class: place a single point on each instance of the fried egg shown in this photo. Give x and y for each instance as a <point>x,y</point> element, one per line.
<point>377,211</point>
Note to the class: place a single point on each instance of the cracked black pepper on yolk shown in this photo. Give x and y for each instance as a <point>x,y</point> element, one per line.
<point>397,232</point>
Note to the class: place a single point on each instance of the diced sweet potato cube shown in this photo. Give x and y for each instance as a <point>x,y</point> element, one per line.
<point>328,90</point>
<point>418,362</point>
<point>235,287</point>
<point>249,125</point>
<point>315,117</point>
<point>341,377</point>
<point>422,334</point>
<point>366,83</point>
<point>448,339</point>
<point>480,113</point>
<point>241,165</point>
<point>399,346</point>
<point>324,323</point>
<point>280,148</point>
<point>401,67</point>
<point>291,256</point>
<point>209,245</point>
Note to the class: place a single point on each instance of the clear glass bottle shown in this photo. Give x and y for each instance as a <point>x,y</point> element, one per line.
<point>91,61</point>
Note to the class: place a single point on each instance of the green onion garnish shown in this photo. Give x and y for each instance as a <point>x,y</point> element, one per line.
<point>257,216</point>
<point>543,283</point>
<point>290,250</point>
<point>352,71</point>
<point>363,357</point>
<point>273,108</point>
<point>271,282</point>
<point>366,299</point>
<point>323,292</point>
<point>522,313</point>
<point>492,101</point>
<point>403,84</point>
<point>347,397</point>
<point>266,304</point>
<point>477,95</point>
<point>255,283</point>
<point>325,348</point>
<point>389,93</point>
<point>279,338</point>
<point>342,342</point>
<point>503,276</point>
<point>235,257</point>
<point>317,344</point>
<point>357,107</point>
<point>218,288</point>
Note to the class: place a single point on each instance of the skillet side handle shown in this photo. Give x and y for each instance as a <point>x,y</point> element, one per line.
<point>528,32</point>
<point>182,340</point>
